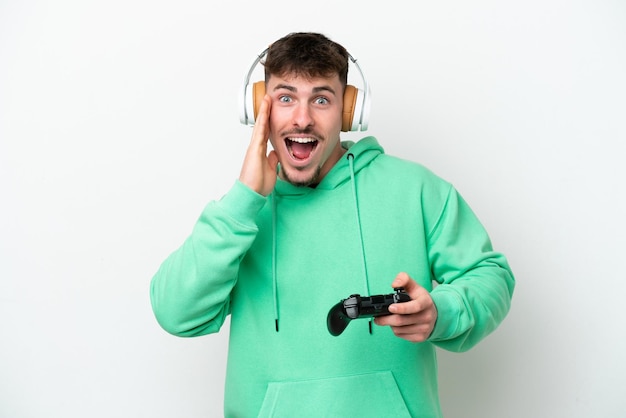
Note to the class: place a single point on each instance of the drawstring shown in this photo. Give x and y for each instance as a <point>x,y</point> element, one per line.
<point>274,278</point>
<point>362,244</point>
<point>360,229</point>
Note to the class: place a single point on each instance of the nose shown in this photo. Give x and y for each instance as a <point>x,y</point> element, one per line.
<point>302,117</point>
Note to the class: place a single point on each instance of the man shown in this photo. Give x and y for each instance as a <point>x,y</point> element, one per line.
<point>312,222</point>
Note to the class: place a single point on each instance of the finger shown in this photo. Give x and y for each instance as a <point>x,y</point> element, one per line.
<point>264,109</point>
<point>402,280</point>
<point>418,326</point>
<point>406,308</point>
<point>260,132</point>
<point>410,286</point>
<point>420,301</point>
<point>415,333</point>
<point>394,320</point>
<point>415,291</point>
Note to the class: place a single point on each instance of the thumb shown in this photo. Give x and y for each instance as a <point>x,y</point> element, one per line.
<point>401,280</point>
<point>410,286</point>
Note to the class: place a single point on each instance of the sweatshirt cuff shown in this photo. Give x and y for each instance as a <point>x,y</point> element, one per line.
<point>449,312</point>
<point>242,203</point>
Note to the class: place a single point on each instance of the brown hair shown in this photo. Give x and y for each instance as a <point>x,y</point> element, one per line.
<point>307,54</point>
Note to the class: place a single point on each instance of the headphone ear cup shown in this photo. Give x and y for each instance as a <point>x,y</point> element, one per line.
<point>258,92</point>
<point>349,107</point>
<point>356,104</point>
<point>250,102</point>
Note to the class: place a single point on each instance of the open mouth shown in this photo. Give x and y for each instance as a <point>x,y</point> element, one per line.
<point>301,148</point>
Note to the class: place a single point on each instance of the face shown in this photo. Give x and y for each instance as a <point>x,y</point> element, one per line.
<point>305,122</point>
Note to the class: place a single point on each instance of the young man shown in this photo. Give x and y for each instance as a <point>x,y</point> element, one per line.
<point>312,222</point>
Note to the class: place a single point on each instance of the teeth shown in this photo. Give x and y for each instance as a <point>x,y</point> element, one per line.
<point>302,140</point>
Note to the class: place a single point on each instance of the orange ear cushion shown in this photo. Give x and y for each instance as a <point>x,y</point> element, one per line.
<point>258,92</point>
<point>349,104</point>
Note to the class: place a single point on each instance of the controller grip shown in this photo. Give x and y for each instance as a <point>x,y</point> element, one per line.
<point>337,320</point>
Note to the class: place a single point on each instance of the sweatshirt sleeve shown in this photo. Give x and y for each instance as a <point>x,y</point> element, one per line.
<point>475,283</point>
<point>190,292</point>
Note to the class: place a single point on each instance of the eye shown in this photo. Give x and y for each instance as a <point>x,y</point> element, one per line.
<point>284,99</point>
<point>321,100</point>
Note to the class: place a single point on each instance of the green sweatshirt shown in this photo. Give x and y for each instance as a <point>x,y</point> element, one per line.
<point>277,264</point>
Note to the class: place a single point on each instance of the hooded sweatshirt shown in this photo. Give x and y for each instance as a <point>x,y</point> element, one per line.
<point>277,264</point>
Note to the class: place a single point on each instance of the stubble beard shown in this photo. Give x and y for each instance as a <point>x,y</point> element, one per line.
<point>311,181</point>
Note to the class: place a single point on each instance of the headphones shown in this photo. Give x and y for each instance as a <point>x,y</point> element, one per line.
<point>356,102</point>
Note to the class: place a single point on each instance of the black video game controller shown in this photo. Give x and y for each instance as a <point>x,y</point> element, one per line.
<point>357,306</point>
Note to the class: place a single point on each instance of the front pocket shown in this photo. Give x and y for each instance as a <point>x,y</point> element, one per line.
<point>366,395</point>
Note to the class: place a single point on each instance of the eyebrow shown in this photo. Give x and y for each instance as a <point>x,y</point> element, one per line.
<point>315,89</point>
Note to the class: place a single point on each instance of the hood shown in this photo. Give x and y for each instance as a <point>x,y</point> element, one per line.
<point>358,156</point>
<point>361,152</point>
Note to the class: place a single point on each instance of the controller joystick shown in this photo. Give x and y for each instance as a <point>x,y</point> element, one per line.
<point>357,306</point>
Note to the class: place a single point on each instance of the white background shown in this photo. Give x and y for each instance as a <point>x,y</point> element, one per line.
<point>119,122</point>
